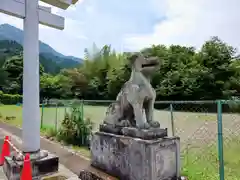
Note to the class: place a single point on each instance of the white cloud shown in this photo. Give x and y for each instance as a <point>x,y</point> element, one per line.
<point>67,41</point>
<point>191,22</point>
<point>185,22</point>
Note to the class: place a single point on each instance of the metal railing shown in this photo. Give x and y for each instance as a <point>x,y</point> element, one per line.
<point>209,131</point>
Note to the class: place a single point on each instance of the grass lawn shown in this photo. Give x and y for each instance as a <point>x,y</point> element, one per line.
<point>11,110</point>
<point>198,163</point>
<point>52,116</point>
<point>202,164</point>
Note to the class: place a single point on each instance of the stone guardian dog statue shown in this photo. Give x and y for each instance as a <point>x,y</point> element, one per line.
<point>134,104</point>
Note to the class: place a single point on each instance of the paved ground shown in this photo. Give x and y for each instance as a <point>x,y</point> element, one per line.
<point>71,160</point>
<point>2,176</point>
<point>62,169</point>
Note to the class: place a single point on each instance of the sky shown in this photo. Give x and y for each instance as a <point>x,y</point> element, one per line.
<point>130,25</point>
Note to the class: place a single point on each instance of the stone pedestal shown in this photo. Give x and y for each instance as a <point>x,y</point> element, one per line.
<point>40,166</point>
<point>147,134</point>
<point>129,158</point>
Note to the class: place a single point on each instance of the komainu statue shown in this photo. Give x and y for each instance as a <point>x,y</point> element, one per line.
<point>134,104</point>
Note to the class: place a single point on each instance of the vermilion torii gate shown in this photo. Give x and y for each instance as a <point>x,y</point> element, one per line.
<point>33,14</point>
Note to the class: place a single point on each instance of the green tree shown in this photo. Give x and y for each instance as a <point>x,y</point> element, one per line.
<point>217,57</point>
<point>3,75</point>
<point>54,87</point>
<point>13,66</point>
<point>212,73</point>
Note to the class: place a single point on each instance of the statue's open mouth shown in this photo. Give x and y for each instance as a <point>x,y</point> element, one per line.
<point>148,65</point>
<point>151,63</point>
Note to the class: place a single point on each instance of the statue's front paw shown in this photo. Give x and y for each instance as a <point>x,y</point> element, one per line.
<point>154,124</point>
<point>143,126</point>
<point>146,125</point>
<point>124,123</point>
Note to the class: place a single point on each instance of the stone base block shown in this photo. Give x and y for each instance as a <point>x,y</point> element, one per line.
<point>151,133</point>
<point>108,128</point>
<point>146,134</point>
<point>129,158</point>
<point>40,167</point>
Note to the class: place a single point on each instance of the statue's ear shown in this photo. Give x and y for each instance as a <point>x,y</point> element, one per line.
<point>133,58</point>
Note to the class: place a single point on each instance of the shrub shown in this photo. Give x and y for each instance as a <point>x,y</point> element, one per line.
<point>234,104</point>
<point>10,98</point>
<point>49,132</point>
<point>74,129</point>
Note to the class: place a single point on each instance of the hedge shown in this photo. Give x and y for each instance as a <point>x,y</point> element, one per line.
<point>10,98</point>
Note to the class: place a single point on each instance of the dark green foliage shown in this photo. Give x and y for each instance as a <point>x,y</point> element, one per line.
<point>185,74</point>
<point>51,63</point>
<point>74,129</point>
<point>59,61</point>
<point>13,66</point>
<point>10,98</point>
<point>211,73</point>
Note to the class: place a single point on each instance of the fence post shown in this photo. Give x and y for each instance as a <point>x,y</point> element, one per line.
<point>82,109</point>
<point>220,140</point>
<point>65,111</point>
<point>42,115</point>
<point>172,121</point>
<point>56,117</point>
<point>82,118</point>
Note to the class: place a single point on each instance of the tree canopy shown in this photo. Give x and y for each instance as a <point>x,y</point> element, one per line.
<point>212,72</point>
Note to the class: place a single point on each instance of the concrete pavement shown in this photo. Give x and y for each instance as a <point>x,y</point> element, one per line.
<point>2,175</point>
<point>70,159</point>
<point>63,171</point>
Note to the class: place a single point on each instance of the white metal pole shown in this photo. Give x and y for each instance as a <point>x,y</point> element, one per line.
<point>31,112</point>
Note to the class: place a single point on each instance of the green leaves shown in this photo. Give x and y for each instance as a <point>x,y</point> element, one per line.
<point>213,72</point>
<point>185,74</point>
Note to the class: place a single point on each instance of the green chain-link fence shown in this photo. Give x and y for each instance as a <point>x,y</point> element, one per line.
<point>54,111</point>
<point>209,132</point>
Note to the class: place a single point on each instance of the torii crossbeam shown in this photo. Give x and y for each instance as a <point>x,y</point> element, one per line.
<point>33,14</point>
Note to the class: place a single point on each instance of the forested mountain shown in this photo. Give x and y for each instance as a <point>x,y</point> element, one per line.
<point>212,72</point>
<point>11,48</point>
<point>8,32</point>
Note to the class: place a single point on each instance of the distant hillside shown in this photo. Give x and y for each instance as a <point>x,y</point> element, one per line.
<point>11,48</point>
<point>8,32</point>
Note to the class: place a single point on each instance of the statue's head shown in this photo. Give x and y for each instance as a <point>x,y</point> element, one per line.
<point>144,64</point>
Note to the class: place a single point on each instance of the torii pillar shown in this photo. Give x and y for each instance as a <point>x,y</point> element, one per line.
<point>33,14</point>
